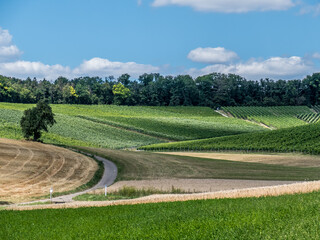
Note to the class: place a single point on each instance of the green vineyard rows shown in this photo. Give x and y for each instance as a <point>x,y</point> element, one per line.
<point>274,117</point>
<point>302,139</point>
<point>122,126</point>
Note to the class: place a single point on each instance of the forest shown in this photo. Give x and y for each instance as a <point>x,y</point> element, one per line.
<point>212,90</point>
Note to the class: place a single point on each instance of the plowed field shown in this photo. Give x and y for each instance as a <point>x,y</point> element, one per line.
<point>29,169</point>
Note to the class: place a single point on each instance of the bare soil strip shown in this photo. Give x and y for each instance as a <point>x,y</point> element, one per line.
<point>295,188</point>
<point>286,159</point>
<point>29,169</point>
<point>192,185</point>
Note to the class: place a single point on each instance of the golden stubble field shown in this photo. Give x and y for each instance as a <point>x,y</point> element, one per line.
<point>29,169</point>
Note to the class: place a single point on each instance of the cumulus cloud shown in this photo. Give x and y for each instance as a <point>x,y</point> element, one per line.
<point>93,67</point>
<point>104,67</point>
<point>8,51</point>
<point>212,55</point>
<point>275,67</point>
<point>229,6</point>
<point>23,69</point>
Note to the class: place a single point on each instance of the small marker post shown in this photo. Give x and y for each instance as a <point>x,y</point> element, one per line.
<point>105,190</point>
<point>51,191</point>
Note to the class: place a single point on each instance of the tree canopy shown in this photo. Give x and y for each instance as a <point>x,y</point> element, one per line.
<point>153,89</point>
<point>37,119</point>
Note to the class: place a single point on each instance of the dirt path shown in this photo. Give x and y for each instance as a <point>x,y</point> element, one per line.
<point>295,188</point>
<point>108,178</point>
<point>193,185</point>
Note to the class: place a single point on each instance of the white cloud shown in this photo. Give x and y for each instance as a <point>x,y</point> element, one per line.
<point>310,9</point>
<point>212,55</point>
<point>104,67</point>
<point>316,55</point>
<point>8,51</point>
<point>275,67</point>
<point>24,69</point>
<point>229,6</point>
<point>94,67</point>
<point>139,2</point>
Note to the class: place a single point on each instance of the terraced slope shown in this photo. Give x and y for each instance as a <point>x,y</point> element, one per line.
<point>274,117</point>
<point>123,126</point>
<point>29,169</point>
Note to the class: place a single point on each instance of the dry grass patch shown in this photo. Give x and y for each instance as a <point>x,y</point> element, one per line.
<point>285,159</point>
<point>190,185</point>
<point>295,188</point>
<point>29,169</point>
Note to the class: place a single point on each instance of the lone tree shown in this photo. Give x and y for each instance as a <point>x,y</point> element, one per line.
<point>36,119</point>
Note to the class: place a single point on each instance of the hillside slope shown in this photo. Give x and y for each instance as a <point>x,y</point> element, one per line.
<point>303,138</point>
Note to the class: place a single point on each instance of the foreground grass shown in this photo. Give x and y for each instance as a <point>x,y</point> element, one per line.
<point>133,165</point>
<point>284,217</point>
<point>125,193</point>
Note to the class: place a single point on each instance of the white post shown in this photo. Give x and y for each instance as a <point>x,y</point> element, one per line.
<point>51,191</point>
<point>105,190</point>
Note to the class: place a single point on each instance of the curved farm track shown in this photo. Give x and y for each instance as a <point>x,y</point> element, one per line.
<point>29,169</point>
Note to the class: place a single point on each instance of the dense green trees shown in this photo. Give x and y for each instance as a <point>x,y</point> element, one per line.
<point>37,119</point>
<point>156,90</point>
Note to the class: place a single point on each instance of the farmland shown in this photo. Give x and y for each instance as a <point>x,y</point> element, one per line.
<point>274,117</point>
<point>134,165</point>
<point>122,126</point>
<point>284,217</point>
<point>30,169</point>
<point>300,139</point>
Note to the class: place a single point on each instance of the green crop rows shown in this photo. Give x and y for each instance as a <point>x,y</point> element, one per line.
<point>122,126</point>
<point>302,139</point>
<point>275,117</point>
<point>284,217</point>
<point>309,117</point>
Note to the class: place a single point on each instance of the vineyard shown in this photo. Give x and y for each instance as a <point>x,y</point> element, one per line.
<point>274,117</point>
<point>304,139</point>
<point>123,126</point>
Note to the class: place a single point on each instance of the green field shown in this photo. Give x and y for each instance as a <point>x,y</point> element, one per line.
<point>284,217</point>
<point>122,126</point>
<point>274,117</point>
<point>134,165</point>
<point>301,139</point>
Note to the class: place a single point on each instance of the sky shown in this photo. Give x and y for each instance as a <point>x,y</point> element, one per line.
<point>277,39</point>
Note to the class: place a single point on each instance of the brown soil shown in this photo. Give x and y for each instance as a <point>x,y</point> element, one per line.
<point>285,159</point>
<point>29,169</point>
<point>192,185</point>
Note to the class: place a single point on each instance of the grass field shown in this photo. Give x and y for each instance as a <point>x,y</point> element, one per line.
<point>274,117</point>
<point>123,127</point>
<point>301,139</point>
<point>284,217</point>
<point>146,165</point>
<point>29,169</point>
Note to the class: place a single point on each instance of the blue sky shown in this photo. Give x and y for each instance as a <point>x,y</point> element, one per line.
<point>252,38</point>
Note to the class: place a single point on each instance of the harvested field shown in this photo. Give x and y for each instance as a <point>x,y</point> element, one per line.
<point>140,165</point>
<point>29,169</point>
<point>295,188</point>
<point>192,185</point>
<point>285,159</point>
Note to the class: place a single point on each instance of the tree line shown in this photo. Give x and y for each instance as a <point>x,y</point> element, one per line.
<point>212,90</point>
